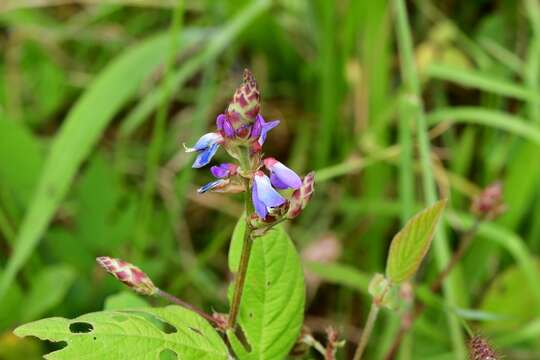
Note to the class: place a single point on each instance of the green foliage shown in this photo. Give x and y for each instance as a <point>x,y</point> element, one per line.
<point>272,307</point>
<point>81,130</point>
<point>411,244</point>
<point>116,335</point>
<point>510,299</point>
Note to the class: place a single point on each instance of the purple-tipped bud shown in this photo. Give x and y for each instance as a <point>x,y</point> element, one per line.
<point>129,274</point>
<point>301,196</point>
<point>480,349</point>
<point>246,100</point>
<point>224,170</point>
<point>489,203</point>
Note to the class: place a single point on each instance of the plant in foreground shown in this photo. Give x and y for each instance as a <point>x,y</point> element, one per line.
<point>267,297</point>
<point>487,205</point>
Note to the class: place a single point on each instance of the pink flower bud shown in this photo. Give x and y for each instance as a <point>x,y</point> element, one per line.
<point>489,203</point>
<point>301,196</point>
<point>129,274</point>
<point>246,100</point>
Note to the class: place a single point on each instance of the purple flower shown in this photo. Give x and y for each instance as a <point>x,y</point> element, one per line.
<point>261,128</point>
<point>264,195</point>
<point>224,170</point>
<point>281,176</point>
<point>224,125</point>
<point>206,146</point>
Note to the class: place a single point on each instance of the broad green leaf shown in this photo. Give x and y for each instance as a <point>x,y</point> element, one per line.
<point>508,297</point>
<point>411,244</point>
<point>48,290</point>
<point>81,130</point>
<point>272,308</point>
<point>125,300</point>
<point>127,334</point>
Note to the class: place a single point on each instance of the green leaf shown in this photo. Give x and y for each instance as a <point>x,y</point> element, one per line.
<point>507,296</point>
<point>272,307</point>
<point>125,300</point>
<point>481,81</point>
<point>119,335</point>
<point>411,244</point>
<point>80,131</point>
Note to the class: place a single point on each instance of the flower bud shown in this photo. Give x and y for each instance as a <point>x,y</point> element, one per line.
<point>246,100</point>
<point>301,196</point>
<point>480,349</point>
<point>384,293</point>
<point>489,203</point>
<point>129,274</point>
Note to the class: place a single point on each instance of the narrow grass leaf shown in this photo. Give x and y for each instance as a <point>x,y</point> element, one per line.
<point>80,131</point>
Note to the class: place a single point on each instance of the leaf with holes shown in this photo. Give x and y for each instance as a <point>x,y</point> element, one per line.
<point>411,244</point>
<point>130,334</point>
<point>272,307</point>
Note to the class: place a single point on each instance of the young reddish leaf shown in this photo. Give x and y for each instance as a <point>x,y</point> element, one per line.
<point>411,244</point>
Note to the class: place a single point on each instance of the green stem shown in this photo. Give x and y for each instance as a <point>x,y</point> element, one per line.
<point>244,261</point>
<point>412,85</point>
<point>170,297</point>
<point>366,333</point>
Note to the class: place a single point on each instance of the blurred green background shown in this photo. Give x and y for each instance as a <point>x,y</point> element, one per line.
<point>96,98</point>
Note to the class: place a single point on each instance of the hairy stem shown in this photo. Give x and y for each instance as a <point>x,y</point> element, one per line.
<point>464,244</point>
<point>169,297</point>
<point>244,261</point>
<point>366,333</point>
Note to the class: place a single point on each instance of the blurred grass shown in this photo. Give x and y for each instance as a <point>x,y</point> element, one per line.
<point>92,117</point>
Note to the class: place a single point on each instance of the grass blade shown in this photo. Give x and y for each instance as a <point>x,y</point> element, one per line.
<point>79,133</point>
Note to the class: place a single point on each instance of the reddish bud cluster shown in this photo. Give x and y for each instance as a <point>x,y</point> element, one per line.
<point>480,349</point>
<point>489,203</point>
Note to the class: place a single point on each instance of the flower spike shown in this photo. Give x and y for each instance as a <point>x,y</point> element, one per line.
<point>263,194</point>
<point>281,176</point>
<point>246,100</point>
<point>129,274</point>
<point>206,146</point>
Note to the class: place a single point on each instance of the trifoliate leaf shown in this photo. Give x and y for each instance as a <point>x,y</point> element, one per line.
<point>128,334</point>
<point>272,307</point>
<point>411,244</point>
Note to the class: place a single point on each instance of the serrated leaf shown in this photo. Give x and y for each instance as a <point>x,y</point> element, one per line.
<point>272,307</point>
<point>127,334</point>
<point>412,243</point>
